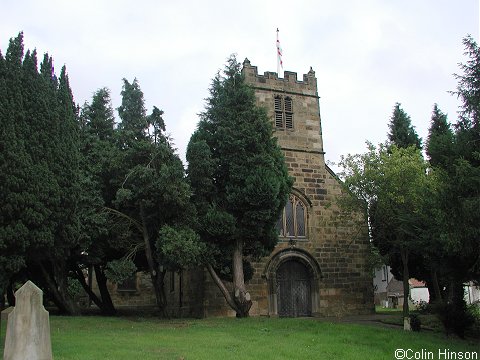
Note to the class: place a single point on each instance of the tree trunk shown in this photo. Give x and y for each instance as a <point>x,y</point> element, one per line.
<point>2,300</point>
<point>57,287</point>
<point>107,302</point>
<point>10,294</point>
<point>406,290</point>
<point>216,279</point>
<point>157,279</point>
<point>437,294</point>
<point>241,296</point>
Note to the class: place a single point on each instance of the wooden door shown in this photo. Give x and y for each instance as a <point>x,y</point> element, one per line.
<point>293,290</point>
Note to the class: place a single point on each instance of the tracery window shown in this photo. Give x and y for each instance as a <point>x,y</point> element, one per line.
<point>293,219</point>
<point>283,112</point>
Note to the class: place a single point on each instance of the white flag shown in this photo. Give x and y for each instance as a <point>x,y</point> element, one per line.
<point>279,55</point>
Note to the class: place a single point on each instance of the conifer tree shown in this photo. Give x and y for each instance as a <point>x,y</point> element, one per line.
<point>15,204</point>
<point>402,133</point>
<point>464,179</point>
<point>239,180</point>
<point>41,176</point>
<point>151,191</point>
<point>99,165</point>
<point>440,139</point>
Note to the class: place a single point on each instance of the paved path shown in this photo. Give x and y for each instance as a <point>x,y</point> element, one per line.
<point>372,319</point>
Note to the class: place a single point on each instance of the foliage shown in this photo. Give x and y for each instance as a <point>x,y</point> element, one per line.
<point>40,219</point>
<point>148,188</point>
<point>238,176</point>
<point>455,318</point>
<point>440,139</point>
<point>179,248</point>
<point>464,177</point>
<point>74,287</point>
<point>423,307</point>
<point>394,186</point>
<point>402,133</point>
<point>120,270</point>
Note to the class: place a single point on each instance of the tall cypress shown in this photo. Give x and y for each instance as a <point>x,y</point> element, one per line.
<point>440,140</point>
<point>402,133</point>
<point>15,197</point>
<point>40,169</point>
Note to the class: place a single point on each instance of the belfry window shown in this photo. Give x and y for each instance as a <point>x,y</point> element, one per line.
<point>283,112</point>
<point>292,221</point>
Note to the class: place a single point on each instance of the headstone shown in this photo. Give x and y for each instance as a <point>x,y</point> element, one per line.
<point>28,327</point>
<point>4,317</point>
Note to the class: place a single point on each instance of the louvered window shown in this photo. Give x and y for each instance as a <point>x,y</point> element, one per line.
<point>293,219</point>
<point>283,112</point>
<point>288,113</point>
<point>278,112</point>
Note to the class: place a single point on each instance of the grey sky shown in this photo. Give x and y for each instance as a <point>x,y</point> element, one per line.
<point>367,54</point>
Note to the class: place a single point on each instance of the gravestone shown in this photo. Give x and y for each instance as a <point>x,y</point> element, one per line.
<point>28,327</point>
<point>4,317</point>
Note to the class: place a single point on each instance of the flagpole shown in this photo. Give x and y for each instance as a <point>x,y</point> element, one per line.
<point>279,56</point>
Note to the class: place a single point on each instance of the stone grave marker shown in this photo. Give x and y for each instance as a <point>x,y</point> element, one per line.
<point>4,317</point>
<point>28,327</point>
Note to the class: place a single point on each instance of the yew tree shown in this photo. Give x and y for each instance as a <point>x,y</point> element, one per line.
<point>151,193</point>
<point>39,219</point>
<point>239,181</point>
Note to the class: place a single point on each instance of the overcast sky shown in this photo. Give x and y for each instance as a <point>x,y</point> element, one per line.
<point>367,54</point>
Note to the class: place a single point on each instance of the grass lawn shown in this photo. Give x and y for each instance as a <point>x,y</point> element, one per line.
<point>91,337</point>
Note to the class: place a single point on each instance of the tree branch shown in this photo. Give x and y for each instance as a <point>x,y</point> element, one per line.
<point>222,287</point>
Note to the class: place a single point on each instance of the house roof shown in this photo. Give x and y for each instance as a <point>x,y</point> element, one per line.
<point>395,286</point>
<point>414,283</point>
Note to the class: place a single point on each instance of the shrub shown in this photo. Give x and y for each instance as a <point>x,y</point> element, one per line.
<point>415,322</point>
<point>423,307</point>
<point>455,317</point>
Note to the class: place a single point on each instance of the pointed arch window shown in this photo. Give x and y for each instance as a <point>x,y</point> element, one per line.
<point>293,219</point>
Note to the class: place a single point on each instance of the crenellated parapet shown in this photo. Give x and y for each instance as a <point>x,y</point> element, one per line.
<point>289,83</point>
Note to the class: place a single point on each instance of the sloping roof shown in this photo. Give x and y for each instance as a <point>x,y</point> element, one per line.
<point>414,283</point>
<point>395,286</point>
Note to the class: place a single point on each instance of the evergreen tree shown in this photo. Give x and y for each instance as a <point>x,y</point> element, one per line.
<point>464,179</point>
<point>41,176</point>
<point>402,133</point>
<point>239,180</point>
<point>99,165</point>
<point>15,196</point>
<point>151,190</point>
<point>440,139</point>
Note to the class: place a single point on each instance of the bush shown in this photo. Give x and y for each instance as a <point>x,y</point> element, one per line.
<point>474,310</point>
<point>455,317</point>
<point>423,307</point>
<point>415,322</point>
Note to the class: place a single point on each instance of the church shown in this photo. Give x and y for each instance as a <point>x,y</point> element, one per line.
<point>319,266</point>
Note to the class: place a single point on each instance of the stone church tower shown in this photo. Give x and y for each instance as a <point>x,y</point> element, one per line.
<point>318,267</point>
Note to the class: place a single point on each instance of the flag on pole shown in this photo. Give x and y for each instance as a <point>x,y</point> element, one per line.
<point>279,56</point>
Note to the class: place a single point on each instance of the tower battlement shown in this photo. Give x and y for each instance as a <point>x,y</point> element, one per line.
<point>289,83</point>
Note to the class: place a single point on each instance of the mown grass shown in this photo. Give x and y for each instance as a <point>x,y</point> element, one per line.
<point>130,338</point>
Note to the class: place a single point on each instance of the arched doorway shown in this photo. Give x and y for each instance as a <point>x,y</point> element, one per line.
<point>293,290</point>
